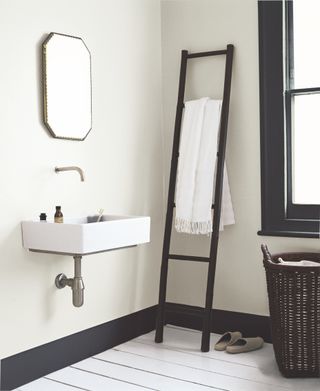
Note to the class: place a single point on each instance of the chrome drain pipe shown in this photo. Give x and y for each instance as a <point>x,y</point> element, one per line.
<point>75,283</point>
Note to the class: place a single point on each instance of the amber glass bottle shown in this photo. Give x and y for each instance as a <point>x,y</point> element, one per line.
<point>58,216</point>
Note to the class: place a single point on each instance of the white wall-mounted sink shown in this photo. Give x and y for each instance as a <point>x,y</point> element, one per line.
<point>80,236</point>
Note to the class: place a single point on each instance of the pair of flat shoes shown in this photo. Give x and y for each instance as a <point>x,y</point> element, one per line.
<point>232,342</point>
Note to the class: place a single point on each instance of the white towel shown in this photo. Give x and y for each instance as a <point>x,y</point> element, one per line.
<point>196,169</point>
<point>302,263</point>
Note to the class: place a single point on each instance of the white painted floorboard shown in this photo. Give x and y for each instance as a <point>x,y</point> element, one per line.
<point>46,385</point>
<point>177,364</point>
<point>129,371</point>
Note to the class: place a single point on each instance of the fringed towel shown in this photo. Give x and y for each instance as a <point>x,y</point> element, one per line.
<point>196,169</point>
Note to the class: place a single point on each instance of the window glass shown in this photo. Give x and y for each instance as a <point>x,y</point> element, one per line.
<point>306,35</point>
<point>306,149</point>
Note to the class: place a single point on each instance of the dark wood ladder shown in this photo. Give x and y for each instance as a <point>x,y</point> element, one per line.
<point>212,258</point>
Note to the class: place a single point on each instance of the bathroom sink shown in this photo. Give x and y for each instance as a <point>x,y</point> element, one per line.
<point>84,235</point>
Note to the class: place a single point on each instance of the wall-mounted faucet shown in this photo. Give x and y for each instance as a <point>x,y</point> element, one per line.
<point>71,168</point>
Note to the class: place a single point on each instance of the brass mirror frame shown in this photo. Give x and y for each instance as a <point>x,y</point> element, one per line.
<point>45,90</point>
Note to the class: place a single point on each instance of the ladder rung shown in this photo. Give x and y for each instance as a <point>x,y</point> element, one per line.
<point>205,54</point>
<point>182,309</point>
<point>212,206</point>
<point>189,258</point>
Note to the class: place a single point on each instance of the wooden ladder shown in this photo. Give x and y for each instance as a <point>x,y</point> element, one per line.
<point>212,258</point>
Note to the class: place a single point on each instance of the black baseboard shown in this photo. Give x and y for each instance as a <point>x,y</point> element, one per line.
<point>34,363</point>
<point>249,324</point>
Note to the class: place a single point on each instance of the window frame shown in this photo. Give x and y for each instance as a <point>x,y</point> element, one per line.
<point>302,211</point>
<point>279,216</point>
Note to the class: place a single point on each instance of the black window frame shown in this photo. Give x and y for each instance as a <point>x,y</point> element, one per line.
<point>279,215</point>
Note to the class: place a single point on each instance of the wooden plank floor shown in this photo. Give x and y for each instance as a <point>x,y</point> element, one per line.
<point>175,365</point>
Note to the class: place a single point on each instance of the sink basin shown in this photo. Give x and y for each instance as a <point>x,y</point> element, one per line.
<point>82,236</point>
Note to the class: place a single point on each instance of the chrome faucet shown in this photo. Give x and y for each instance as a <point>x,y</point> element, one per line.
<point>71,168</point>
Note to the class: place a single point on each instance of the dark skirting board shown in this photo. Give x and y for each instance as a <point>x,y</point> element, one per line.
<point>250,325</point>
<point>32,364</point>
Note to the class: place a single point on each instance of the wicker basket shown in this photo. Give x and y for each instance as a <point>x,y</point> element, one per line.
<point>294,302</point>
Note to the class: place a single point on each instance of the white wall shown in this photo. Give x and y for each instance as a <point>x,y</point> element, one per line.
<point>199,25</point>
<point>122,160</point>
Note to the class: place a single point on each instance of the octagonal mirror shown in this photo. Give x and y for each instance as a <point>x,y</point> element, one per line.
<point>66,86</point>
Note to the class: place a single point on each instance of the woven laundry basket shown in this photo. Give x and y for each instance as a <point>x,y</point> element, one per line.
<point>294,303</point>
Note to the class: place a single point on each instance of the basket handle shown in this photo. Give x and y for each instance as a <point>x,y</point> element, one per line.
<point>266,253</point>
